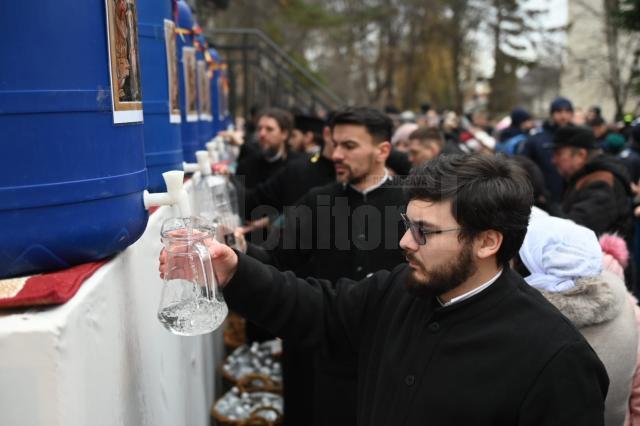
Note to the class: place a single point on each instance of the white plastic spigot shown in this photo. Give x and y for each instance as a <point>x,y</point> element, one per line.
<point>190,167</point>
<point>213,150</point>
<point>221,144</point>
<point>204,163</point>
<point>176,195</point>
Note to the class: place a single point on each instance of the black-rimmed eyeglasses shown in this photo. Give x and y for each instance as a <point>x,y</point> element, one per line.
<point>419,233</point>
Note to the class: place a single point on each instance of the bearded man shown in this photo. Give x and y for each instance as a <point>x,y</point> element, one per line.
<point>454,336</point>
<point>274,130</point>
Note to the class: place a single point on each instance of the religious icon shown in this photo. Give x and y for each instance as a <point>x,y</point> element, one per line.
<point>190,83</point>
<point>223,96</point>
<point>204,92</point>
<point>172,71</point>
<point>124,61</point>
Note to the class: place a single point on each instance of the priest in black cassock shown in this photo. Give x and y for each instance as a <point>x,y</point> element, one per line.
<point>348,228</point>
<point>274,130</point>
<point>297,177</point>
<point>451,337</point>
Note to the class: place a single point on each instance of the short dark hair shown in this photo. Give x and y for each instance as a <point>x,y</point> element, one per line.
<point>282,117</point>
<point>486,192</point>
<point>425,134</point>
<point>377,123</point>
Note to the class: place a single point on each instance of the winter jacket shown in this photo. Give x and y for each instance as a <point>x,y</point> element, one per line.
<point>509,132</point>
<point>538,148</point>
<point>633,418</point>
<point>615,260</point>
<point>599,307</point>
<point>599,197</point>
<point>630,156</point>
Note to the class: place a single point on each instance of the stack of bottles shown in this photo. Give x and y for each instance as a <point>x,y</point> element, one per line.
<point>258,359</point>
<point>237,407</point>
<point>255,373</point>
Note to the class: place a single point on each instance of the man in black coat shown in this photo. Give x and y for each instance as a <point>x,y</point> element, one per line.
<point>289,184</point>
<point>454,337</point>
<point>598,193</point>
<point>538,146</point>
<point>349,228</point>
<point>274,129</point>
<point>294,180</point>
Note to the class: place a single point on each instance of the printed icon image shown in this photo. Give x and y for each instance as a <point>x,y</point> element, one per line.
<point>124,60</point>
<point>204,92</point>
<point>190,83</point>
<point>223,96</point>
<point>172,71</point>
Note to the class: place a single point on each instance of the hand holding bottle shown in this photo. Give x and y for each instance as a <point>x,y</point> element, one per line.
<point>223,258</point>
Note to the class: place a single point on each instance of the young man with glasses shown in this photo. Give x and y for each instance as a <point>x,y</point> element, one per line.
<point>454,337</point>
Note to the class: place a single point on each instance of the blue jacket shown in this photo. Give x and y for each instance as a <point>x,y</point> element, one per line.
<point>539,150</point>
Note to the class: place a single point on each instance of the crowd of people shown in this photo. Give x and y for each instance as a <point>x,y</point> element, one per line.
<point>437,269</point>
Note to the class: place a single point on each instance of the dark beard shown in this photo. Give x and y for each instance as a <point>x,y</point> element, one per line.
<point>356,180</point>
<point>443,278</point>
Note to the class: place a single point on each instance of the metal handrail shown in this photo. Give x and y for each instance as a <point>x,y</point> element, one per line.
<point>283,55</point>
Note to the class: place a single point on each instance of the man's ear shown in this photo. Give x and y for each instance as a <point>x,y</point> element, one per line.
<point>384,149</point>
<point>434,150</point>
<point>584,155</point>
<point>488,243</point>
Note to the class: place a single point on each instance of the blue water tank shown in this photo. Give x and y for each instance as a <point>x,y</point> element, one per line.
<point>162,139</point>
<point>71,181</point>
<point>214,74</point>
<point>191,141</point>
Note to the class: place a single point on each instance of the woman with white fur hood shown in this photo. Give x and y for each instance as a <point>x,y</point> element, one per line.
<point>564,261</point>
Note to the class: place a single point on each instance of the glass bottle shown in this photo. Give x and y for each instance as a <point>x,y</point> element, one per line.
<point>191,303</point>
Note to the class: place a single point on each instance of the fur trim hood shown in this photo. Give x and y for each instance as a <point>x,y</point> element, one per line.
<point>593,300</point>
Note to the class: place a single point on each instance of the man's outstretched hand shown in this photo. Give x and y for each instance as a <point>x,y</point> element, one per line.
<point>223,259</point>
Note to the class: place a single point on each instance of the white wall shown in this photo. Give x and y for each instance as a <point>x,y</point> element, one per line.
<point>103,358</point>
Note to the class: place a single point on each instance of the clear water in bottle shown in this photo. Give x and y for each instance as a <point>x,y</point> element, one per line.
<point>193,317</point>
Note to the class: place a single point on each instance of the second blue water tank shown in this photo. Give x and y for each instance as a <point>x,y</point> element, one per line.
<point>160,90</point>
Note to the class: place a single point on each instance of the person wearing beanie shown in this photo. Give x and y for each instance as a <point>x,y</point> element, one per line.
<point>598,193</point>
<point>600,130</point>
<point>520,118</point>
<point>565,262</point>
<point>512,138</point>
<point>562,104</point>
<point>537,147</point>
<point>594,111</point>
<point>613,143</point>
<point>521,123</point>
